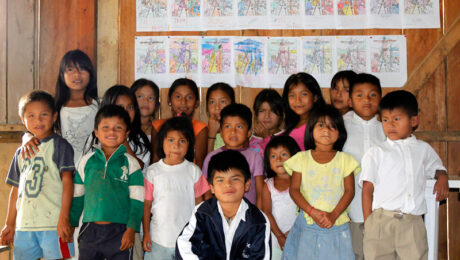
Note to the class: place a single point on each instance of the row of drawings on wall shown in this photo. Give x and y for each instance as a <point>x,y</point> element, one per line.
<point>202,15</point>
<point>262,62</point>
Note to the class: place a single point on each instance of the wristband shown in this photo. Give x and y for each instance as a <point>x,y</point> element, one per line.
<point>309,212</point>
<point>212,138</point>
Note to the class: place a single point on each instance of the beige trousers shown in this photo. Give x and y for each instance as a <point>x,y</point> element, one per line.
<point>357,236</point>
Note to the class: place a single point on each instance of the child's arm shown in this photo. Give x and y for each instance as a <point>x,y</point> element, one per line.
<point>29,145</point>
<point>7,234</point>
<point>147,241</point>
<point>259,188</point>
<point>78,200</point>
<point>136,204</point>
<point>213,126</point>
<point>368,197</point>
<point>267,209</point>
<point>201,147</point>
<point>64,229</point>
<point>131,152</point>
<point>441,188</point>
<point>347,197</point>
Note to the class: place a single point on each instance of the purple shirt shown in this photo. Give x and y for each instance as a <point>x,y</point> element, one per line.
<point>299,136</point>
<point>256,166</point>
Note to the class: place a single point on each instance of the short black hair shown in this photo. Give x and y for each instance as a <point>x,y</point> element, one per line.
<point>226,160</point>
<point>145,82</point>
<point>273,98</point>
<point>109,111</point>
<point>362,78</point>
<point>239,110</point>
<point>283,140</point>
<point>221,86</point>
<point>36,96</point>
<point>348,75</point>
<point>183,125</point>
<point>336,121</point>
<point>400,99</point>
<point>184,82</point>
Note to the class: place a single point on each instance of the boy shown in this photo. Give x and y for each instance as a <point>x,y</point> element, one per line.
<point>42,187</point>
<point>393,178</point>
<point>227,226</point>
<point>364,131</point>
<point>109,186</point>
<point>235,124</point>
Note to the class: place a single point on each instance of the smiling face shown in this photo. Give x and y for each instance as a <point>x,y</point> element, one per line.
<point>75,78</point>
<point>277,156</point>
<point>218,99</point>
<point>175,147</point>
<point>324,133</point>
<point>266,116</point>
<point>229,186</point>
<point>183,100</point>
<point>365,100</point>
<point>126,102</point>
<point>339,95</point>
<point>397,124</point>
<point>235,132</point>
<point>146,101</point>
<point>39,118</point>
<point>301,100</point>
<point>111,133</point>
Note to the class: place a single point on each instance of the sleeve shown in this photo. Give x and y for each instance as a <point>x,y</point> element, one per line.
<point>136,195</point>
<point>258,165</point>
<point>432,162</point>
<point>201,186</point>
<point>63,155</point>
<point>219,142</point>
<point>206,164</point>
<point>350,165</point>
<point>78,199</point>
<point>295,163</point>
<point>14,171</point>
<point>148,190</point>
<point>185,245</point>
<point>369,167</point>
<point>261,244</point>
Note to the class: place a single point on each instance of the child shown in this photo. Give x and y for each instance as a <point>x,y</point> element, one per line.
<point>393,178</point>
<point>148,99</point>
<point>301,94</point>
<point>42,187</point>
<point>236,121</point>
<point>340,86</point>
<point>183,98</point>
<point>276,202</point>
<point>219,95</point>
<point>269,115</point>
<point>173,186</point>
<point>109,188</point>
<point>322,186</point>
<point>227,226</point>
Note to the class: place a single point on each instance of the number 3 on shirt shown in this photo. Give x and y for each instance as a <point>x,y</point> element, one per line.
<point>34,186</point>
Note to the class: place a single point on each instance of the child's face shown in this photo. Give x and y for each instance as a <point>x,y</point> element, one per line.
<point>324,133</point>
<point>183,100</point>
<point>218,99</point>
<point>339,95</point>
<point>235,132</point>
<point>365,100</point>
<point>127,103</point>
<point>229,186</point>
<point>397,124</point>
<point>277,156</point>
<point>301,100</point>
<point>39,119</point>
<point>267,117</point>
<point>75,78</point>
<point>146,101</point>
<point>175,146</point>
<point>111,132</point>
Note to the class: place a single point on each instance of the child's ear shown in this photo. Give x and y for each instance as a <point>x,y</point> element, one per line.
<point>96,133</point>
<point>350,104</point>
<point>127,134</point>
<point>55,117</point>
<point>197,103</point>
<point>212,188</point>
<point>414,121</point>
<point>247,185</point>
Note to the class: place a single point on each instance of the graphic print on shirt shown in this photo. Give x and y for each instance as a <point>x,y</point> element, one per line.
<point>124,175</point>
<point>33,185</point>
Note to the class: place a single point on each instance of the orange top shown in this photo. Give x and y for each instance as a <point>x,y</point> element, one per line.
<point>197,125</point>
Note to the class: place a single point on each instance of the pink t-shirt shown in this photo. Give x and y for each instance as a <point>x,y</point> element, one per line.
<point>299,136</point>
<point>200,187</point>
<point>258,144</point>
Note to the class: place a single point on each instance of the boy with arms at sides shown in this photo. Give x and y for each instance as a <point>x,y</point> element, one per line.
<point>109,186</point>
<point>235,124</point>
<point>227,226</point>
<point>393,178</point>
<point>42,187</point>
<point>364,131</point>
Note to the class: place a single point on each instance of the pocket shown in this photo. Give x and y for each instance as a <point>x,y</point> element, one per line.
<point>84,227</point>
<point>372,227</point>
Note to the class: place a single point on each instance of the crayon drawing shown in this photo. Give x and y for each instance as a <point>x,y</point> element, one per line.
<point>351,54</point>
<point>216,55</point>
<point>183,55</point>
<point>285,7</point>
<point>317,56</point>
<point>249,56</point>
<point>186,8</point>
<point>151,58</point>
<point>282,56</point>
<point>218,7</point>
<point>319,7</point>
<point>418,6</point>
<point>252,7</point>
<point>351,7</point>
<point>151,8</point>
<point>384,7</point>
<point>385,55</point>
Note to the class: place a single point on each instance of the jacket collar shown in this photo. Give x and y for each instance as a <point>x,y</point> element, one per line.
<point>121,150</point>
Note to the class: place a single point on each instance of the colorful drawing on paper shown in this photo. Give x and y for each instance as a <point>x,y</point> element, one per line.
<point>152,59</point>
<point>252,7</point>
<point>282,56</point>
<point>351,7</point>
<point>183,55</point>
<point>319,7</point>
<point>218,7</point>
<point>418,6</point>
<point>249,56</point>
<point>216,55</point>
<point>285,7</point>
<point>351,54</point>
<point>386,56</point>
<point>151,8</point>
<point>317,58</point>
<point>185,8</point>
<point>385,6</point>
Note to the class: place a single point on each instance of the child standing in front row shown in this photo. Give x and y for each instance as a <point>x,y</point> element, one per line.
<point>42,187</point>
<point>322,186</point>
<point>107,175</point>
<point>276,201</point>
<point>173,186</point>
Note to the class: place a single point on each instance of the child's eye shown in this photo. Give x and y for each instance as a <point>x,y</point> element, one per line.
<point>273,157</point>
<point>385,120</point>
<point>359,95</point>
<point>397,118</point>
<point>291,95</point>
<point>285,155</point>
<point>139,97</point>
<point>212,102</point>
<point>183,141</point>
<point>189,97</point>
<point>227,126</point>
<point>347,90</point>
<point>151,98</point>
<point>262,111</point>
<point>118,127</point>
<point>239,127</point>
<point>235,179</point>
<point>223,102</point>
<point>105,127</point>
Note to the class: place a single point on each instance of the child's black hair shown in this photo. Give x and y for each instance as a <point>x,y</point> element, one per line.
<point>283,140</point>
<point>336,120</point>
<point>239,110</point>
<point>36,96</point>
<point>145,82</point>
<point>363,78</point>
<point>274,100</point>
<point>80,61</point>
<point>227,160</point>
<point>291,118</point>
<point>109,111</point>
<point>183,125</point>
<point>221,86</point>
<point>184,82</point>
<point>400,99</point>
<point>347,75</point>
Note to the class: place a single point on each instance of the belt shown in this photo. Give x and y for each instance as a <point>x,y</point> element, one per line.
<point>396,214</point>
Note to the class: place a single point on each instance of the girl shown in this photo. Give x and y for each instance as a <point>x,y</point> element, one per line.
<point>173,186</point>
<point>340,85</point>
<point>301,94</point>
<point>219,95</point>
<point>269,114</point>
<point>276,202</point>
<point>147,95</point>
<point>183,98</point>
<point>322,186</point>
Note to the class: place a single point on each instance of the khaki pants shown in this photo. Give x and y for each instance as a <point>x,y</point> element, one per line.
<point>138,250</point>
<point>357,236</point>
<point>390,236</point>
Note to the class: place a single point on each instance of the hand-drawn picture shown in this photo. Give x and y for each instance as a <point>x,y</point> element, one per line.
<point>252,7</point>
<point>418,6</point>
<point>282,55</point>
<point>351,7</point>
<point>183,55</point>
<point>151,8</point>
<point>317,56</point>
<point>249,56</point>
<point>385,55</point>
<point>351,53</point>
<point>216,55</point>
<point>285,7</point>
<point>384,6</point>
<point>185,8</point>
<point>319,7</point>
<point>151,56</point>
<point>217,7</point>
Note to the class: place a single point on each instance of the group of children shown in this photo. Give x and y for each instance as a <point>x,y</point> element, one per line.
<point>307,181</point>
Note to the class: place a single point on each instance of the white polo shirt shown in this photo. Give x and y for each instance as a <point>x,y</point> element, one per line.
<point>399,170</point>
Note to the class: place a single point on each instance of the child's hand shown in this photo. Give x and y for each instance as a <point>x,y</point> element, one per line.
<point>127,241</point>
<point>261,130</point>
<point>319,217</point>
<point>329,219</point>
<point>281,240</point>
<point>213,126</point>
<point>64,230</point>
<point>441,187</point>
<point>147,242</point>
<point>29,147</point>
<point>7,235</point>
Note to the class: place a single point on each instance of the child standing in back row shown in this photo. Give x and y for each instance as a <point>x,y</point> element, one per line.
<point>339,91</point>
<point>148,99</point>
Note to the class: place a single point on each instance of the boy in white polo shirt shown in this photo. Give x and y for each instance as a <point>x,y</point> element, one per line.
<point>393,178</point>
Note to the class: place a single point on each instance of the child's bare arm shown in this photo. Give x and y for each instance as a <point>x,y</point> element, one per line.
<point>347,197</point>
<point>127,241</point>
<point>267,209</point>
<point>441,188</point>
<point>201,147</point>
<point>213,129</point>
<point>64,228</point>
<point>368,197</point>
<point>7,234</point>
<point>147,242</point>
<point>259,187</point>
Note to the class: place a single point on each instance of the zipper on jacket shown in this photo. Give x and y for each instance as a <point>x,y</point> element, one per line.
<point>107,161</point>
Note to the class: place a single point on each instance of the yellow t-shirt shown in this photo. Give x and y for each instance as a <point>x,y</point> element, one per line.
<point>322,184</point>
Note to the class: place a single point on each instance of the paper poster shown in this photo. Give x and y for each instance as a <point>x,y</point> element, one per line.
<point>352,53</point>
<point>385,14</point>
<point>249,61</point>
<point>351,14</point>
<point>252,14</point>
<point>286,14</point>
<point>218,15</point>
<point>319,14</point>
<point>421,14</point>
<point>282,59</point>
<point>184,15</point>
<point>151,59</point>
<point>318,56</point>
<point>184,58</point>
<point>151,15</point>
<point>216,60</point>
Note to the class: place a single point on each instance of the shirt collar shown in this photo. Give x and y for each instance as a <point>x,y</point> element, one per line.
<point>241,210</point>
<point>409,140</point>
<point>359,120</point>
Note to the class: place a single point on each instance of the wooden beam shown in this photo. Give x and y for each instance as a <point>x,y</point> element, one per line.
<point>435,136</point>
